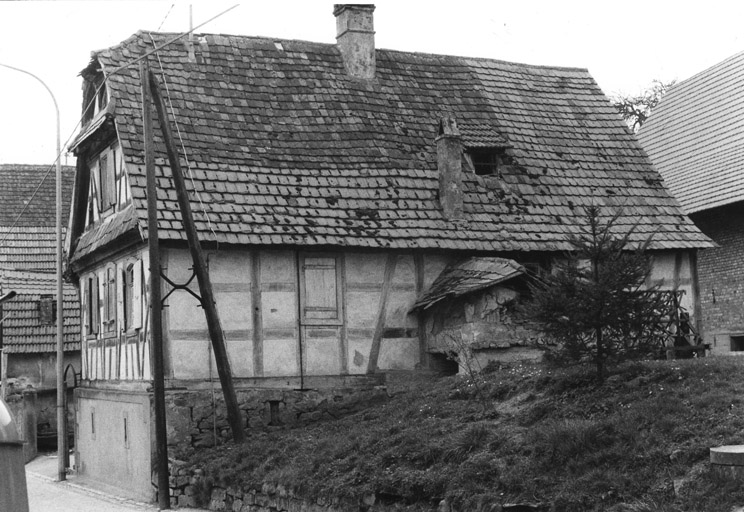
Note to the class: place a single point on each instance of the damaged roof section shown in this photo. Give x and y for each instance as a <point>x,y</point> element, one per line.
<point>468,276</point>
<point>286,149</point>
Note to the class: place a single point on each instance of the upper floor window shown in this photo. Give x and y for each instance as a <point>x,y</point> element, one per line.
<point>109,185</point>
<point>128,299</point>
<point>95,97</point>
<point>91,307</point>
<point>109,300</point>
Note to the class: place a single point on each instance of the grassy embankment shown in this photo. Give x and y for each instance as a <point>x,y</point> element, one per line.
<point>536,434</point>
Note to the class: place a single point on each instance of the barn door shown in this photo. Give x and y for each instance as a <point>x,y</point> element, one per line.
<point>321,313</point>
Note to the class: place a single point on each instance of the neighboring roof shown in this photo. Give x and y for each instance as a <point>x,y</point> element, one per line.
<point>27,215</point>
<point>695,137</point>
<point>22,330</point>
<point>28,194</point>
<point>286,149</point>
<point>468,276</point>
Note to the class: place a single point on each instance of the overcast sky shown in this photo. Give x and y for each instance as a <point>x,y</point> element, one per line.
<point>625,44</point>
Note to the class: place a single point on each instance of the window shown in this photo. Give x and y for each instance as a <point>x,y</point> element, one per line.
<point>128,288</point>
<point>47,310</point>
<point>91,306</point>
<point>95,96</point>
<point>109,300</point>
<point>107,182</point>
<point>737,343</point>
<point>486,162</point>
<point>106,168</point>
<point>320,292</point>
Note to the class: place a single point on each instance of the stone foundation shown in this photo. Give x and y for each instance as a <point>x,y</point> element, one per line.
<point>191,488</point>
<point>198,419</point>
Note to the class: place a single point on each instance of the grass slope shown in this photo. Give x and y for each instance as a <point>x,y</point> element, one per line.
<point>536,434</point>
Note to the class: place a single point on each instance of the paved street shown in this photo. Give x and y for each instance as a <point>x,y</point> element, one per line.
<point>47,495</point>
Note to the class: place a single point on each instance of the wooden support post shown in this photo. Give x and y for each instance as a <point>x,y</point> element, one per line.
<point>256,315</point>
<point>158,379</point>
<point>420,266</point>
<point>200,269</point>
<point>387,283</point>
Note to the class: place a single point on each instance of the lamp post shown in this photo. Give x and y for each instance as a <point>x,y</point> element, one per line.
<point>3,376</point>
<point>61,428</point>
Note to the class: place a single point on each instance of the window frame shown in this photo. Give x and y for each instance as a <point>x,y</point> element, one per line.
<point>92,307</point>
<point>108,318</point>
<point>128,277</point>
<point>47,302</point>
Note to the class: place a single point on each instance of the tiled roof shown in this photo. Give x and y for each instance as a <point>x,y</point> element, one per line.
<point>19,205</point>
<point>27,223</point>
<point>285,148</point>
<point>22,329</point>
<point>694,137</point>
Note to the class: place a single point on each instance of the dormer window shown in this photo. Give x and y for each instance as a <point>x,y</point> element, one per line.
<point>487,161</point>
<point>109,185</point>
<point>485,148</point>
<point>95,97</point>
<point>101,98</point>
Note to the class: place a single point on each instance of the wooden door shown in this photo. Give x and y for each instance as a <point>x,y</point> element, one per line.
<point>321,313</point>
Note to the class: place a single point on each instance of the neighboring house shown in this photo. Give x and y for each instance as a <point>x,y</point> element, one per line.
<point>331,186</point>
<point>28,250</point>
<point>694,138</point>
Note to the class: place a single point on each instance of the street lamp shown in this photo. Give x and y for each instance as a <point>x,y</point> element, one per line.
<point>3,377</point>
<point>61,430</point>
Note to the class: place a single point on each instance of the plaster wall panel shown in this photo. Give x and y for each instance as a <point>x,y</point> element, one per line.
<point>365,267</point>
<point>358,358</point>
<point>398,354</point>
<point>321,352</point>
<point>190,358</point>
<point>278,267</point>
<point>279,308</point>
<point>280,357</point>
<point>433,266</point>
<point>361,308</point>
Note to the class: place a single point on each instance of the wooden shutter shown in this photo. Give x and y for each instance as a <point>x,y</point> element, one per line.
<point>137,295</point>
<point>110,297</point>
<point>321,297</point>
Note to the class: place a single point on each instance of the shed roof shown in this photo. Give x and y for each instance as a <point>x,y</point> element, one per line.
<point>285,148</point>
<point>468,276</point>
<point>694,137</point>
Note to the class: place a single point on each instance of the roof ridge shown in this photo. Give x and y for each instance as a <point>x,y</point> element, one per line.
<point>716,66</point>
<point>334,45</point>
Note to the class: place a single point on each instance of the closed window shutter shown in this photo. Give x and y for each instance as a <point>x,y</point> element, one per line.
<point>137,295</point>
<point>111,181</point>
<point>320,289</point>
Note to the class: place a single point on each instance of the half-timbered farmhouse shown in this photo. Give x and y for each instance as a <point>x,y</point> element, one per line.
<point>331,185</point>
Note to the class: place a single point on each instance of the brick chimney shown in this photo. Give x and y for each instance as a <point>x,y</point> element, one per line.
<point>449,163</point>
<point>355,37</point>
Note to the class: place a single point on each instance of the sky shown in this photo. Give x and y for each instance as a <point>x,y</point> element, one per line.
<point>625,44</point>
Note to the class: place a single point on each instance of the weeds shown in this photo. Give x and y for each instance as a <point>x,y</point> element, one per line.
<point>554,440</point>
